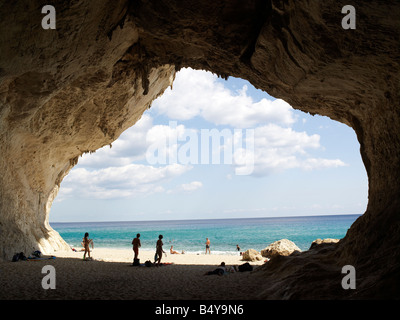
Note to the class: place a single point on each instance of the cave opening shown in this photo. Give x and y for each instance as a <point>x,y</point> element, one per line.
<point>162,169</point>
<point>68,91</point>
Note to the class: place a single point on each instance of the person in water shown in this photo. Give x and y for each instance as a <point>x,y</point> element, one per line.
<point>208,246</point>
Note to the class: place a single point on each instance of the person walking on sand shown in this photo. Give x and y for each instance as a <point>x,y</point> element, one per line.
<point>136,245</point>
<point>86,241</point>
<point>208,246</point>
<point>159,249</point>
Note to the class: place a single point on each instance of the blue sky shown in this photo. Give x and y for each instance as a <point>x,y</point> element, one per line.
<point>274,161</point>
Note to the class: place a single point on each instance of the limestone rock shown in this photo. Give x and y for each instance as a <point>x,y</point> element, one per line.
<point>251,255</point>
<point>72,90</point>
<point>79,87</point>
<point>282,247</point>
<point>318,242</point>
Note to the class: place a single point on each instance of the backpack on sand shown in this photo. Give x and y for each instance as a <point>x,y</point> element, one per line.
<point>245,267</point>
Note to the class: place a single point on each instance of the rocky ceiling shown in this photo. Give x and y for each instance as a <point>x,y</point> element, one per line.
<point>76,88</point>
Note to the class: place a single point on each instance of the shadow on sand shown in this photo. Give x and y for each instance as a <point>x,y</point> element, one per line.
<point>76,279</point>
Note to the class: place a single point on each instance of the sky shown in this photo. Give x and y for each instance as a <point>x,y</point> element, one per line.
<point>214,148</point>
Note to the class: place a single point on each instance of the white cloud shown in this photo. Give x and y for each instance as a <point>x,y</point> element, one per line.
<point>192,186</point>
<point>115,172</point>
<point>119,182</point>
<point>163,142</point>
<point>198,93</point>
<point>278,149</point>
<point>129,147</point>
<point>318,163</point>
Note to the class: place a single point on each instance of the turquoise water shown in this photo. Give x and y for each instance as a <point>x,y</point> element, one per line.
<point>224,234</point>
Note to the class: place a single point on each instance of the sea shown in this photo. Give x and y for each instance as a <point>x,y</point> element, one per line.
<point>224,234</point>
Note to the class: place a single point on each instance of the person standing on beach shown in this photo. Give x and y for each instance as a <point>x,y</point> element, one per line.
<point>86,241</point>
<point>159,249</point>
<point>208,246</point>
<point>136,245</point>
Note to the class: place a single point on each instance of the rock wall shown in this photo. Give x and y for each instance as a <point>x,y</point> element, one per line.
<point>63,93</point>
<point>72,90</point>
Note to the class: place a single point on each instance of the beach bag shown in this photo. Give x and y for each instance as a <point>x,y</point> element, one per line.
<point>18,256</point>
<point>148,263</point>
<point>245,267</point>
<point>37,254</point>
<point>15,257</point>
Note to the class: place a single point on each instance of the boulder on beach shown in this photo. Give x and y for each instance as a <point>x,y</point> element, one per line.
<point>282,247</point>
<point>318,242</point>
<point>251,255</point>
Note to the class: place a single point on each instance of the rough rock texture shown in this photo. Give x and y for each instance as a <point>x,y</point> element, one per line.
<point>313,274</point>
<point>282,247</point>
<point>63,93</point>
<point>72,90</point>
<point>251,255</point>
<point>319,242</point>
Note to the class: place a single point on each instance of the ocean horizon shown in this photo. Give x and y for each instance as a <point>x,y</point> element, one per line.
<point>190,235</point>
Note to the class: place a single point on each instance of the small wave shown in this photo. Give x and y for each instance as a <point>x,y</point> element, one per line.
<point>194,252</point>
<point>198,252</point>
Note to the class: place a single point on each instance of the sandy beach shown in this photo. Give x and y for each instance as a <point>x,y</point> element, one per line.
<point>110,275</point>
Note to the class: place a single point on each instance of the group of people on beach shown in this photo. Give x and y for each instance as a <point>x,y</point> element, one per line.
<point>159,248</point>
<point>86,242</point>
<point>220,270</point>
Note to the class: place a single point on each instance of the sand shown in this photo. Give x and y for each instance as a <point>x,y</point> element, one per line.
<point>110,275</point>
